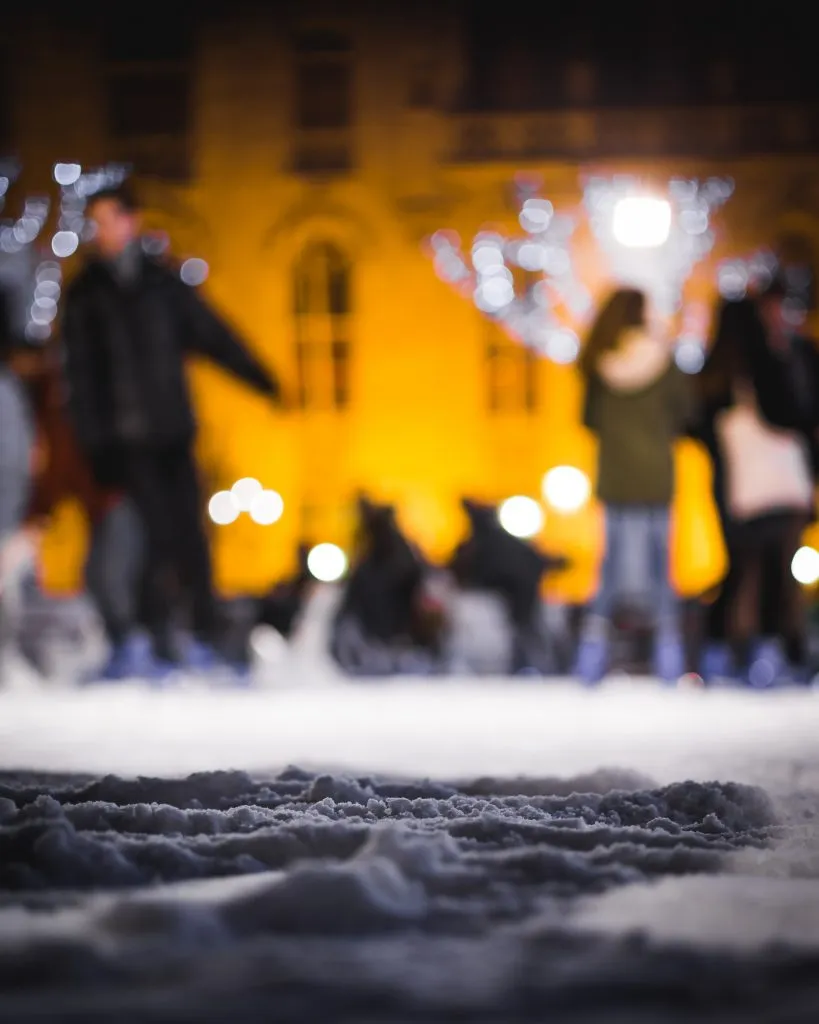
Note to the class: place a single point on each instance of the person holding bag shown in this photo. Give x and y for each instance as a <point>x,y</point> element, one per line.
<point>759,390</point>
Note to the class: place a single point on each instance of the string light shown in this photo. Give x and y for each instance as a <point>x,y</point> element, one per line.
<point>653,239</point>
<point>543,253</point>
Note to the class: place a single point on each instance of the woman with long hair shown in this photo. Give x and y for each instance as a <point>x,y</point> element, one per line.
<point>637,406</point>
<point>758,394</point>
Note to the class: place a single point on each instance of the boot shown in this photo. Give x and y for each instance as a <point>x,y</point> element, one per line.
<point>592,662</point>
<point>669,658</point>
<point>768,665</point>
<point>718,663</point>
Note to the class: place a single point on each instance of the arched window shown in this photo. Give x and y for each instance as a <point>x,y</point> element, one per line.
<point>322,311</point>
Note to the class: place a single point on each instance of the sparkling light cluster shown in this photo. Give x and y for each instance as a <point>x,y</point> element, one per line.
<point>737,277</point>
<point>543,252</point>
<point>248,496</point>
<point>18,249</point>
<point>659,257</point>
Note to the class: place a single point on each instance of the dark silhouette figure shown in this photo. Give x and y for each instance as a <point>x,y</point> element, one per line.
<point>130,323</point>
<point>493,560</point>
<point>384,625</point>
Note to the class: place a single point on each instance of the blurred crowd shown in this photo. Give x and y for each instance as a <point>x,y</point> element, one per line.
<point>106,419</point>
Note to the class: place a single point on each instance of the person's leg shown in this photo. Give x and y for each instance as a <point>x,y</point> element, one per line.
<point>783,604</point>
<point>151,493</point>
<point>192,557</point>
<point>594,646</point>
<point>744,619</point>
<point>112,570</point>
<point>669,649</point>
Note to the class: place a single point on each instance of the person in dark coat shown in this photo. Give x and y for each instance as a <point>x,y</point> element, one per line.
<point>756,625</point>
<point>381,623</point>
<point>129,325</point>
<point>493,560</point>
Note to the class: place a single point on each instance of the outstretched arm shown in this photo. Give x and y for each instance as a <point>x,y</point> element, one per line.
<point>206,334</point>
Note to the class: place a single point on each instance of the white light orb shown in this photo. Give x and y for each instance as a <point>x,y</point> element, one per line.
<point>67,174</point>
<point>690,355</point>
<point>562,347</point>
<point>487,251</point>
<point>532,256</point>
<point>494,294</point>
<point>566,488</point>
<point>222,509</point>
<point>805,566</point>
<point>536,215</point>
<point>65,244</point>
<point>267,508</point>
<point>641,222</point>
<point>194,272</point>
<point>244,492</point>
<point>327,563</point>
<point>522,517</point>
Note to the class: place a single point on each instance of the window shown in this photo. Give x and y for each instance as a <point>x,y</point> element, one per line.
<point>144,104</point>
<point>512,371</point>
<point>149,92</point>
<point>324,102</point>
<point>322,307</point>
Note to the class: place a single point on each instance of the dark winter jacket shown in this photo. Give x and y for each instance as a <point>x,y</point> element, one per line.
<point>386,579</point>
<point>492,559</point>
<point>637,403</point>
<point>125,350</point>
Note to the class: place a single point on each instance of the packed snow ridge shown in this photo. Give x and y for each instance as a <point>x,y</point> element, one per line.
<point>326,896</point>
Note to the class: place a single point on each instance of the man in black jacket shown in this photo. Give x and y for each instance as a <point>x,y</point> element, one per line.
<point>129,324</point>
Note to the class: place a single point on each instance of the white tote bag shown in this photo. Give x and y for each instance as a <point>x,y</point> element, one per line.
<point>766,468</point>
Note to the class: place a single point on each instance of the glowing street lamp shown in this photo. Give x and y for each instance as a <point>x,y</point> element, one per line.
<point>641,222</point>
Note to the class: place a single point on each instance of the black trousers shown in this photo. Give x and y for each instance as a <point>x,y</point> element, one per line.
<point>163,484</point>
<point>760,597</point>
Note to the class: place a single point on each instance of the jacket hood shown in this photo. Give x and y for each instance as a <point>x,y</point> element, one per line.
<point>636,363</point>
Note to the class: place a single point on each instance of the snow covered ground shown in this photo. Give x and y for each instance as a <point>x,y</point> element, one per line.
<point>486,850</point>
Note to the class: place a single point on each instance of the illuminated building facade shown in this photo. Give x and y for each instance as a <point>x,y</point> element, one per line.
<point>307,150</point>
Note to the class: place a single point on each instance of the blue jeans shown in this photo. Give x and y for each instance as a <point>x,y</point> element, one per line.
<point>114,568</point>
<point>636,566</point>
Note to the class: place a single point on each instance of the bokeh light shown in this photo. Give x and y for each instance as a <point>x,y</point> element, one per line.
<point>327,563</point>
<point>690,355</point>
<point>805,566</point>
<point>244,492</point>
<point>566,488</point>
<point>65,244</point>
<point>222,509</point>
<point>642,222</point>
<point>521,516</point>
<point>267,508</point>
<point>194,272</point>
<point>67,174</point>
